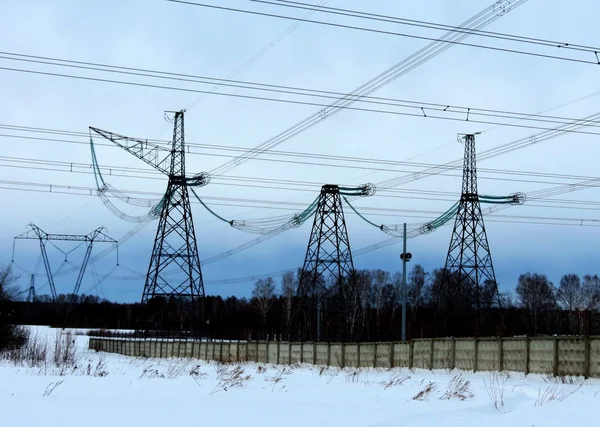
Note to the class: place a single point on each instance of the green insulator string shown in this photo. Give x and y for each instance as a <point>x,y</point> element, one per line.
<point>361,216</point>
<point>104,190</point>
<point>265,225</point>
<point>209,209</point>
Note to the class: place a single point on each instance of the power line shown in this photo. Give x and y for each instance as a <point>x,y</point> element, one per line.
<point>269,183</point>
<point>357,162</point>
<point>422,109</point>
<point>276,204</point>
<point>426,24</point>
<point>593,61</point>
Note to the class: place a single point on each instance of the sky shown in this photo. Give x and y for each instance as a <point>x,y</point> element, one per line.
<point>545,237</point>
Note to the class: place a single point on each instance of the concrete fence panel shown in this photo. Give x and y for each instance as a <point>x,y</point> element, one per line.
<point>273,352</point>
<point>383,355</point>
<point>252,352</point>
<point>296,353</point>
<point>422,354</point>
<point>351,355</point>
<point>284,353</point>
<point>514,354</point>
<point>263,356</point>
<point>243,352</point>
<point>401,354</point>
<point>307,352</point>
<point>335,355</point>
<point>442,354</point>
<point>541,356</point>
<point>464,357</point>
<point>322,355</point>
<point>488,355</point>
<point>593,352</point>
<point>232,353</point>
<point>570,356</point>
<point>366,355</point>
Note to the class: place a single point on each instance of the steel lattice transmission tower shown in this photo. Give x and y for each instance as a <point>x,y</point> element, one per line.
<point>468,276</point>
<point>36,233</point>
<point>174,279</point>
<point>327,286</point>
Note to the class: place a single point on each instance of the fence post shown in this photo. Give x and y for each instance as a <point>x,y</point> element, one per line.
<point>453,353</point>
<point>431,356</point>
<point>301,352</point>
<point>289,352</point>
<point>343,353</point>
<point>374,355</point>
<point>314,353</point>
<point>411,351</point>
<point>278,344</point>
<point>476,361</point>
<point>587,363</point>
<point>527,345</point>
<point>500,355</point>
<point>358,355</point>
<point>391,355</point>
<point>555,361</point>
<point>328,354</point>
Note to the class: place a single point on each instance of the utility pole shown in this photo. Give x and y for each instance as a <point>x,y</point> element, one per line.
<point>405,257</point>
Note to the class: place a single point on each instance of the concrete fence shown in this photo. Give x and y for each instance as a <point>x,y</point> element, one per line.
<point>540,355</point>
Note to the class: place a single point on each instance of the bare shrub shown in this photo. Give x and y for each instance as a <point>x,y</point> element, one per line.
<point>425,392</point>
<point>228,377</point>
<point>151,372</point>
<point>175,369</point>
<point>279,377</point>
<point>495,386</point>
<point>51,387</point>
<point>557,391</point>
<point>33,353</point>
<point>64,349</point>
<point>562,379</point>
<point>98,368</point>
<point>395,380</point>
<point>354,375</point>
<point>458,388</point>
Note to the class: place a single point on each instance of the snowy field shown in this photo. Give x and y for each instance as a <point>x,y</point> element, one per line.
<point>98,389</point>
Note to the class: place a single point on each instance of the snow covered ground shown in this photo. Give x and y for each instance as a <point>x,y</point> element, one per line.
<point>111,390</point>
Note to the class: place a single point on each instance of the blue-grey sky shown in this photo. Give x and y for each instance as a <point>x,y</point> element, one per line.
<point>178,38</point>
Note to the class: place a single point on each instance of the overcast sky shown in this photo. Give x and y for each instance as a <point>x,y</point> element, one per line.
<point>160,35</point>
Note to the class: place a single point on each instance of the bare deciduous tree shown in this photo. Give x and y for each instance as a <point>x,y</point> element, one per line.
<point>417,288</point>
<point>535,293</point>
<point>569,294</point>
<point>264,297</point>
<point>10,335</point>
<point>289,285</point>
<point>590,292</point>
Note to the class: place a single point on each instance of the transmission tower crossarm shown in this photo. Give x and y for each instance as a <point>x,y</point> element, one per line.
<point>37,233</point>
<point>153,154</point>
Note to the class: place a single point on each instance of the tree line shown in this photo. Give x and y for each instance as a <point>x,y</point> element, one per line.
<point>535,307</point>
